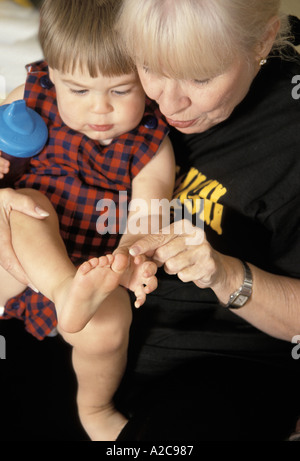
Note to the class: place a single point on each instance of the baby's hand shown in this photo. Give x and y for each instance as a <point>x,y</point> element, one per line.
<point>142,279</point>
<point>4,166</point>
<point>139,276</point>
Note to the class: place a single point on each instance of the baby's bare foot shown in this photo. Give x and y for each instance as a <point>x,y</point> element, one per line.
<point>79,297</point>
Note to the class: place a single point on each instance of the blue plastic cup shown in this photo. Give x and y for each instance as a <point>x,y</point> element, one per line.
<point>23,134</point>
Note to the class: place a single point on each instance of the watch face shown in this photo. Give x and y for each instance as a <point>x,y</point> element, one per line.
<point>240,301</point>
<point>241,296</point>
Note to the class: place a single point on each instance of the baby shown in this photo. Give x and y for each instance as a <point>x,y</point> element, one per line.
<point>105,137</point>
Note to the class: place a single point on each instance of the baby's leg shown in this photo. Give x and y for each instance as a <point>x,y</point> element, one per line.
<point>99,360</point>
<point>77,294</point>
<point>24,228</point>
<point>40,248</point>
<point>79,297</point>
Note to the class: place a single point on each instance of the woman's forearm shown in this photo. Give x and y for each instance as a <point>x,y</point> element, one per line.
<point>274,306</point>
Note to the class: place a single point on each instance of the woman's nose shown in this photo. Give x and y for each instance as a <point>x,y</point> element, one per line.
<point>172,99</point>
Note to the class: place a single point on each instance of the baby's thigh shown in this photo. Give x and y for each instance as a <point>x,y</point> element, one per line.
<point>108,330</point>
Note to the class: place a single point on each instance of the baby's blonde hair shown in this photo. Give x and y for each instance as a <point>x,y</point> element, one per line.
<point>81,34</point>
<point>194,39</point>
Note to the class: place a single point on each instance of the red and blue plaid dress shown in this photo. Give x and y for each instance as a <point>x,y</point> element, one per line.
<point>75,172</point>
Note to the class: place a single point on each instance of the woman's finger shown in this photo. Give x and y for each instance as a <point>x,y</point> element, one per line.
<point>13,200</point>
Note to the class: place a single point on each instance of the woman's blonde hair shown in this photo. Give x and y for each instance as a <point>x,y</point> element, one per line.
<point>194,39</point>
<point>81,33</point>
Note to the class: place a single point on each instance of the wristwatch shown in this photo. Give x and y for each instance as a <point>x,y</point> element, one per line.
<point>240,297</point>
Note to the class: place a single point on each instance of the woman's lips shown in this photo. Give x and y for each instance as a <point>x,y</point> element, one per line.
<point>101,127</point>
<point>179,124</point>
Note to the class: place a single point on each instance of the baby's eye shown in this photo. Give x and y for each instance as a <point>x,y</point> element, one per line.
<point>79,92</point>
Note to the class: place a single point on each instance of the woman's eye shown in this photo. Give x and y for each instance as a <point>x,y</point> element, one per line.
<point>121,93</point>
<point>202,82</point>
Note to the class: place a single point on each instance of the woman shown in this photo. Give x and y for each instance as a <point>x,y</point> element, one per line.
<point>217,74</point>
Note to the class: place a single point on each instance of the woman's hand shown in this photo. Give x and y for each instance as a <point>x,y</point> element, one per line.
<point>183,250</point>
<point>13,200</point>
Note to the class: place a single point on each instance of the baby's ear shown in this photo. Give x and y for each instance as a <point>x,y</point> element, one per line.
<point>51,73</point>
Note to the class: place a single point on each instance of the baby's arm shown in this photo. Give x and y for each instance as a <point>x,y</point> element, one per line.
<point>14,95</point>
<point>17,93</point>
<point>155,181</point>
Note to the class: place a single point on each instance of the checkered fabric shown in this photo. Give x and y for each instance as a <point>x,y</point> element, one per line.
<point>75,172</point>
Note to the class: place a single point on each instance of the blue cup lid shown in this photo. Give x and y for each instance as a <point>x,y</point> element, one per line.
<point>23,132</point>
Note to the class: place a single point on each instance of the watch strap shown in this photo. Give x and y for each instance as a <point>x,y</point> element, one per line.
<point>239,298</point>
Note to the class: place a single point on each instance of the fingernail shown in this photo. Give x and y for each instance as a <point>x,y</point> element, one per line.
<point>134,251</point>
<point>41,212</point>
